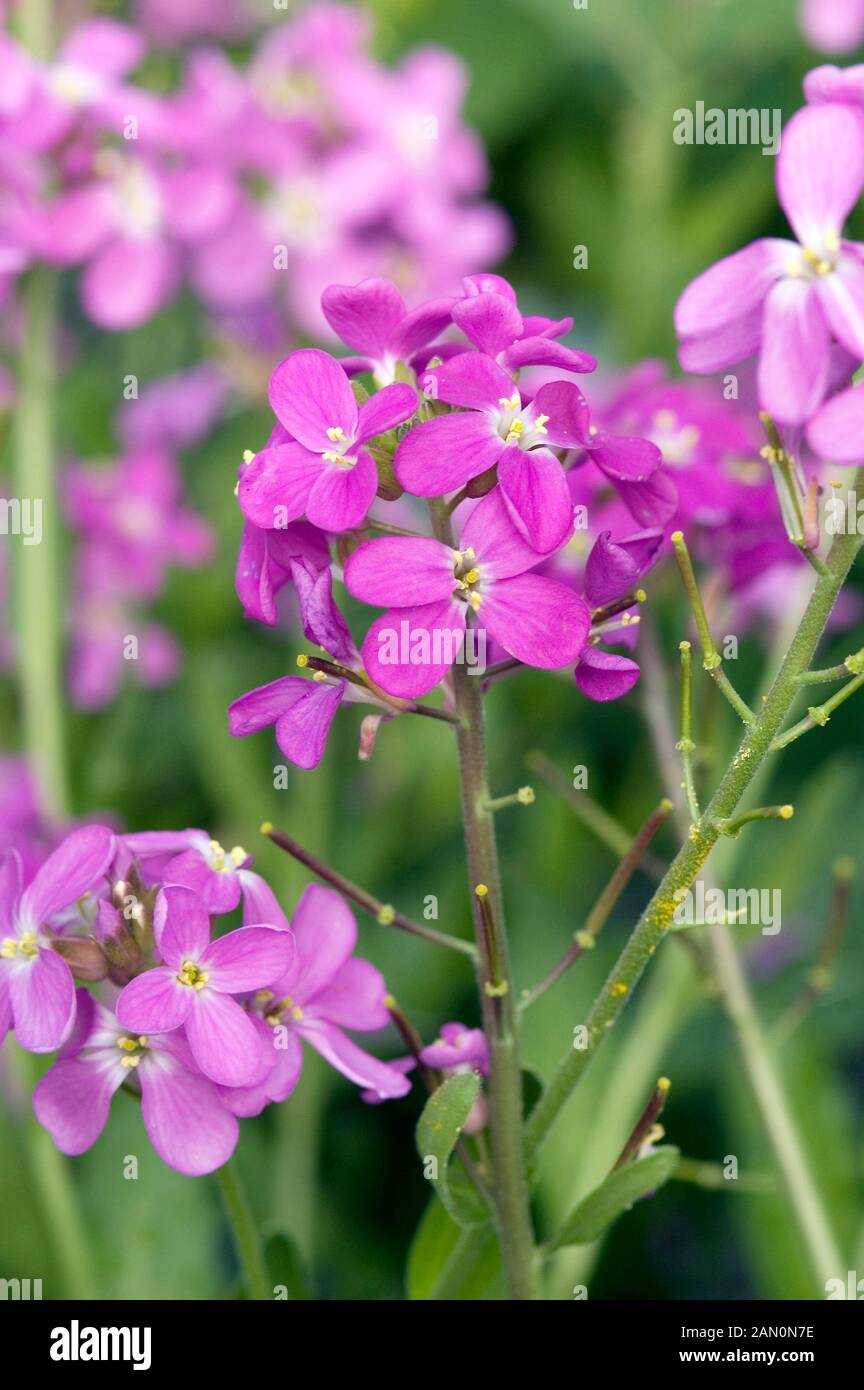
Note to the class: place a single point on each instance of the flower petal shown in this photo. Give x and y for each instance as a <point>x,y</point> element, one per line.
<point>613,567</point>
<point>219,892</point>
<point>186,934</point>
<point>408,651</point>
<point>261,707</point>
<point>189,1127</point>
<point>42,995</point>
<point>341,497</point>
<point>793,363</point>
<point>399,570</point>
<point>325,934</point>
<point>568,419</point>
<point>154,1002</point>
<point>820,170</point>
<point>603,676</point>
<point>542,351</point>
<point>444,453</point>
<point>354,998</point>
<point>500,550</point>
<point>490,321</point>
<point>248,958</point>
<point>722,347</point>
<point>126,282</point>
<point>385,410</point>
<point>275,486</point>
<point>535,492</point>
<point>732,288</point>
<point>364,315</point>
<point>632,460</point>
<point>10,890</point>
<point>301,731</point>
<point>836,432</point>
<point>470,380</point>
<point>224,1042</point>
<point>841,295</point>
<point>73,1099</point>
<point>310,394</point>
<point>73,869</point>
<point>353,1062</point>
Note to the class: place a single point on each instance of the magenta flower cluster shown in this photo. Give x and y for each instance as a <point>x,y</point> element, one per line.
<point>203,1028</point>
<point>443,430</point>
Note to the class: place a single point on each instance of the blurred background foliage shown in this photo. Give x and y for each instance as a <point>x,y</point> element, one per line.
<point>575,107</point>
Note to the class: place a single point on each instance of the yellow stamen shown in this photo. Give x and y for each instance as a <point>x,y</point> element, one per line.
<point>192,975</point>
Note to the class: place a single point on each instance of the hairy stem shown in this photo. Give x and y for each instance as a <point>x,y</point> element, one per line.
<point>513,1217</point>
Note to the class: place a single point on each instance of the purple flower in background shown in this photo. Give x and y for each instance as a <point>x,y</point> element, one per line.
<point>104,625</point>
<point>188,1125</point>
<point>834,26</point>
<point>37,992</point>
<point>321,468</point>
<point>173,412</point>
<point>327,990</point>
<point>193,988</point>
<point>432,588</point>
<point>789,300</point>
<point>136,508</point>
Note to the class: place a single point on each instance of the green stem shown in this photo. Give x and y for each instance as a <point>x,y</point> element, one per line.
<point>384,914</point>
<point>685,744</point>
<point>499,1012</point>
<point>245,1232</point>
<point>37,589</point>
<point>818,714</point>
<point>657,917</point>
<point>513,1217</point>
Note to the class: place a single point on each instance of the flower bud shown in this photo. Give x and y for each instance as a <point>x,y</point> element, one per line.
<point>83,955</point>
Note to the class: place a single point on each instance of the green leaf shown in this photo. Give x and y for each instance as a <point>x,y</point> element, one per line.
<point>286,1267</point>
<point>438,1131</point>
<point>590,1217</point>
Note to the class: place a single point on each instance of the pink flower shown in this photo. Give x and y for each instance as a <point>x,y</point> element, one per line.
<point>189,1127</point>
<point>788,300</point>
<point>37,992</point>
<point>494,429</point>
<point>458,1049</point>
<point>264,564</point>
<point>326,990</point>
<point>489,317</point>
<point>432,589</point>
<point>193,988</point>
<point>321,467</point>
<point>191,859</point>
